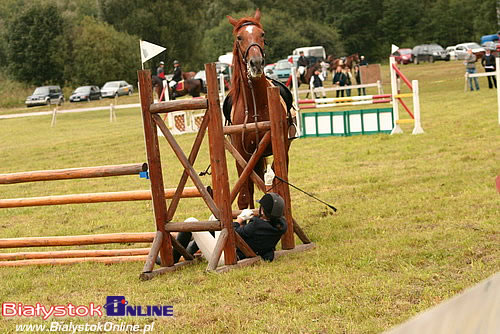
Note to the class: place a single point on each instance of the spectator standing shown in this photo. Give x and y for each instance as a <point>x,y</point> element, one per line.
<point>489,64</point>
<point>348,80</point>
<point>160,71</point>
<point>316,83</point>
<point>470,67</point>
<point>339,79</point>
<point>357,76</point>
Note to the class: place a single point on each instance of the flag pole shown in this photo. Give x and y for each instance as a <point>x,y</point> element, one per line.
<point>140,49</point>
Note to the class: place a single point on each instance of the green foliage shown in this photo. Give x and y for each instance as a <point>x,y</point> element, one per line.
<point>100,54</point>
<point>32,42</point>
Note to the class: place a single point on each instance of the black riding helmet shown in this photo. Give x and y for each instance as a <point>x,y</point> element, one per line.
<point>272,204</point>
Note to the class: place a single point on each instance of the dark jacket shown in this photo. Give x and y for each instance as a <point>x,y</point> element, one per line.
<point>488,61</point>
<point>302,61</point>
<point>261,236</point>
<point>177,74</point>
<point>340,78</point>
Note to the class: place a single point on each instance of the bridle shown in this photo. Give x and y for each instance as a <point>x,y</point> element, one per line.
<point>243,58</point>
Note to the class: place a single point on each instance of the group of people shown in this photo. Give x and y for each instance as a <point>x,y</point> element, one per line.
<point>489,64</point>
<point>177,74</point>
<point>341,77</point>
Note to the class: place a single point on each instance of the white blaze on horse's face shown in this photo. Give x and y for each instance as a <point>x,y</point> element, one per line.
<point>251,39</point>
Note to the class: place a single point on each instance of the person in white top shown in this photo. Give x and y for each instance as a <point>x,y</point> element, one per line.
<point>316,84</point>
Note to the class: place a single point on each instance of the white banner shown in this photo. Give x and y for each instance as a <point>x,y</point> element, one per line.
<point>149,50</point>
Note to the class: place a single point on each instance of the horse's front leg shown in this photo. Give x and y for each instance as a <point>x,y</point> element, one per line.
<point>244,196</point>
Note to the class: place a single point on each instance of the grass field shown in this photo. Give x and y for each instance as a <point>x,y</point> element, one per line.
<point>418,221</point>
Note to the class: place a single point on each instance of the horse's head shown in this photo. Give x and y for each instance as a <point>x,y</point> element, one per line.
<point>250,43</point>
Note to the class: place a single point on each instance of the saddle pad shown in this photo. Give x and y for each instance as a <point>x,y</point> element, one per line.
<point>180,86</point>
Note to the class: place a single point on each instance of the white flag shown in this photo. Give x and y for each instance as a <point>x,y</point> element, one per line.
<point>149,50</point>
<point>394,48</point>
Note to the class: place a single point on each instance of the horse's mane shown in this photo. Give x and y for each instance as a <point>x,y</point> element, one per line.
<point>234,92</point>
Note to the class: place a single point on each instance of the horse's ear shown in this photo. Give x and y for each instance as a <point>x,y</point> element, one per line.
<point>257,15</point>
<point>232,20</point>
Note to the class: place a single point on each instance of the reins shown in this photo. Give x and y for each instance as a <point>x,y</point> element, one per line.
<point>243,58</point>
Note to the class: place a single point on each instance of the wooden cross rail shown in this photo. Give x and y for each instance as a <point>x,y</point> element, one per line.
<point>250,127</point>
<point>73,173</point>
<point>73,253</point>
<point>118,196</point>
<point>178,105</point>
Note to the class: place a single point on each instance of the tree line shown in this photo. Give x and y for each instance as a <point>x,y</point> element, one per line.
<point>74,42</point>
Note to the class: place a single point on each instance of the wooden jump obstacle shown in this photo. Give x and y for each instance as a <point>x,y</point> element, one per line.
<point>77,256</point>
<point>220,204</point>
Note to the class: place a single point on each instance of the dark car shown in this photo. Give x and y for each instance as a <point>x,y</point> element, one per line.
<point>403,56</point>
<point>45,95</point>
<point>429,52</point>
<point>85,93</point>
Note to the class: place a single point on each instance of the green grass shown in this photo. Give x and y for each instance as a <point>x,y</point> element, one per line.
<point>417,221</point>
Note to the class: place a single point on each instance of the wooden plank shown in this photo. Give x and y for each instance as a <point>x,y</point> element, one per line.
<point>240,264</point>
<point>118,196</point>
<point>73,253</point>
<point>220,176</point>
<point>72,240</point>
<point>153,252</point>
<point>106,260</point>
<point>178,105</point>
<point>154,162</point>
<point>279,134</point>
<point>73,173</point>
<point>219,247</point>
<point>211,225</point>
<point>238,128</point>
<point>192,157</point>
<point>254,159</point>
<point>187,166</point>
<point>297,249</point>
<point>243,163</point>
<point>149,275</point>
<point>243,246</point>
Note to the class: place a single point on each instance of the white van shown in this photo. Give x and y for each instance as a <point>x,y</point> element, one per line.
<point>318,52</point>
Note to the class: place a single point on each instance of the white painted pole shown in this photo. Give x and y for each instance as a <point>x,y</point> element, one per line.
<point>380,89</point>
<point>111,112</point>
<point>54,114</point>
<point>466,80</point>
<point>222,92</point>
<point>394,92</point>
<point>295,91</point>
<point>417,129</point>
<point>498,85</point>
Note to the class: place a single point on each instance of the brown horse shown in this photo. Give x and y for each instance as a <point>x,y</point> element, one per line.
<point>188,75</point>
<point>349,62</point>
<point>249,101</point>
<point>192,87</point>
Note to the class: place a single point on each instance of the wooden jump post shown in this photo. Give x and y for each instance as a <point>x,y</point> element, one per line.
<point>275,133</point>
<point>78,256</point>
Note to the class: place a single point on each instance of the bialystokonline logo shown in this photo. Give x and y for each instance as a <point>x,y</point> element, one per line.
<point>116,306</point>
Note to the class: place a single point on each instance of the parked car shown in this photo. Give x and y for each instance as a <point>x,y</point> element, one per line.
<point>116,88</point>
<point>312,53</point>
<point>283,70</point>
<point>493,46</point>
<point>85,93</point>
<point>403,56</point>
<point>45,95</point>
<point>451,52</point>
<point>461,50</point>
<point>429,52</point>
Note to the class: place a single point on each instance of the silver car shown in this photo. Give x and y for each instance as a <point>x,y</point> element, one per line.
<point>116,88</point>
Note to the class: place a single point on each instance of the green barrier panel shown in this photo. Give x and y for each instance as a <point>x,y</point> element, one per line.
<point>347,123</point>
